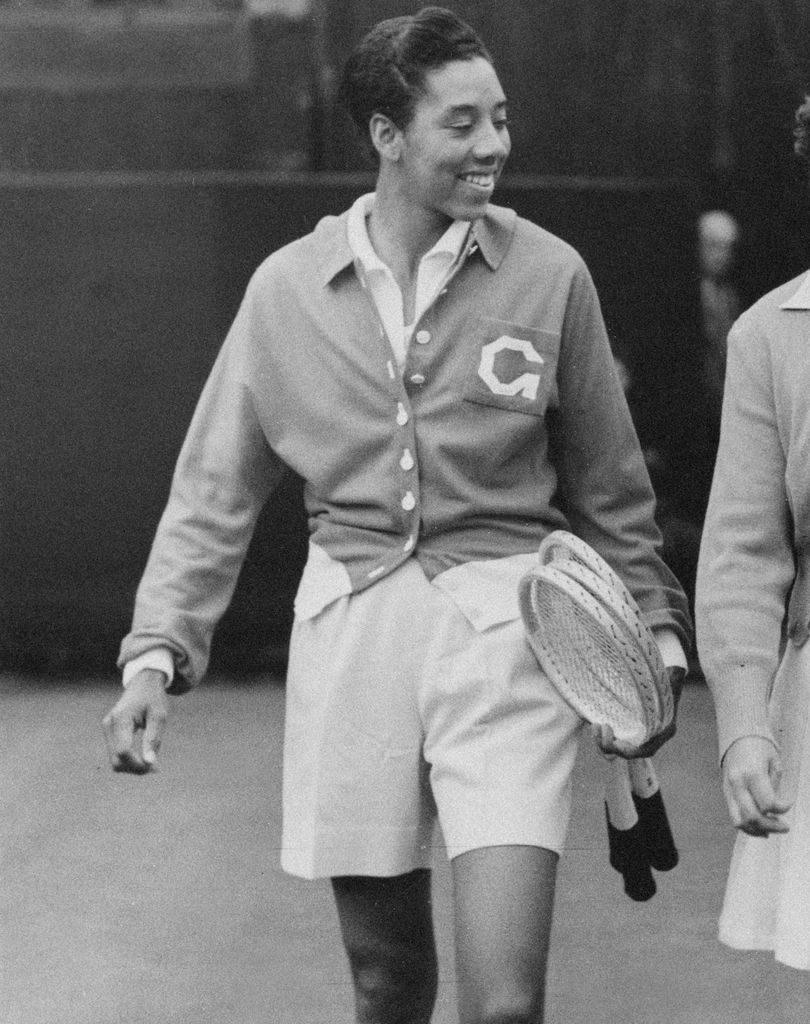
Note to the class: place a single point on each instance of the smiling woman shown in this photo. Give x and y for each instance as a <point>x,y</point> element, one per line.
<point>425,95</point>
<point>437,371</point>
<point>446,161</point>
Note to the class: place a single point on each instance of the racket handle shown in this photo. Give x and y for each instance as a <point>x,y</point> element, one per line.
<point>643,778</point>
<point>621,808</point>
<point>628,854</point>
<point>653,824</point>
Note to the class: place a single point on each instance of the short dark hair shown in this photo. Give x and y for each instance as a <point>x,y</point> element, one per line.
<point>801,132</point>
<point>385,73</point>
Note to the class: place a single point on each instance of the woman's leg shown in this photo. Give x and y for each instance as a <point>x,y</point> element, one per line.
<point>504,900</point>
<point>387,928</point>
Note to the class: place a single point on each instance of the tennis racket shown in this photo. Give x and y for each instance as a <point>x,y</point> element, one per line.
<point>587,633</point>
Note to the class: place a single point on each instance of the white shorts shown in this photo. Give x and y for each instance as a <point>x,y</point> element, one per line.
<point>399,711</point>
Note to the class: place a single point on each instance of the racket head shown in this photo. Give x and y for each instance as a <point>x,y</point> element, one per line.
<point>650,675</point>
<point>561,544</point>
<point>575,556</point>
<point>586,654</point>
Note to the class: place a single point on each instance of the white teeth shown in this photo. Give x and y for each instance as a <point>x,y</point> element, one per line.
<point>484,180</point>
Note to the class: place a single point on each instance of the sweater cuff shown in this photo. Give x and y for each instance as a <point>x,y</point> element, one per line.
<point>741,703</point>
<point>158,658</point>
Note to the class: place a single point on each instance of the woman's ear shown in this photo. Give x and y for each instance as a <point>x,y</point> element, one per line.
<point>385,137</point>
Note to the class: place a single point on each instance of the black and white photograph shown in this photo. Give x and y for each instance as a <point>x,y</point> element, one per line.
<point>404,512</point>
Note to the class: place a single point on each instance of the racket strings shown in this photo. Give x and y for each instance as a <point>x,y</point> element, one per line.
<point>590,666</point>
<point>587,633</point>
<point>639,646</point>
<point>573,555</point>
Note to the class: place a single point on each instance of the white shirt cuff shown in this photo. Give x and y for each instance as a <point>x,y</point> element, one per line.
<point>159,658</point>
<point>672,654</point>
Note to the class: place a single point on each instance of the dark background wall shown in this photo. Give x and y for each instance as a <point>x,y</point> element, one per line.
<point>150,157</point>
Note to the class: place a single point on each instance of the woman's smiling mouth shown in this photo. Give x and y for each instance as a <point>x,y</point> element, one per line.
<point>479,180</point>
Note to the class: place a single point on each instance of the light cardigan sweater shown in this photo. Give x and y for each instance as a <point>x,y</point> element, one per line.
<point>754,559</point>
<point>507,421</point>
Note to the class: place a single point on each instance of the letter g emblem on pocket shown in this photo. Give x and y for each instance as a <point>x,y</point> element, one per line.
<point>526,384</point>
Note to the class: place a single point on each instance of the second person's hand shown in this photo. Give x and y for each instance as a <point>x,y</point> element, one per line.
<point>751,776</point>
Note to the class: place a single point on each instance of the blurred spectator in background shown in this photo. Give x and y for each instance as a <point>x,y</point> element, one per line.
<point>720,303</point>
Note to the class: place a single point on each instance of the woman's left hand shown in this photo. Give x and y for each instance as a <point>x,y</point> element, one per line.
<point>611,747</point>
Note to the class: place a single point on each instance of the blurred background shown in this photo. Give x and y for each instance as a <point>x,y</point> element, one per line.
<point>152,153</point>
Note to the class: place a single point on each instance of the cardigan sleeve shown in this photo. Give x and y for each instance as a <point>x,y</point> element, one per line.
<point>746,564</point>
<point>605,487</point>
<point>223,476</point>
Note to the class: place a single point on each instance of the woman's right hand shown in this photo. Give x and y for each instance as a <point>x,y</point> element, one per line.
<point>751,775</point>
<point>142,709</point>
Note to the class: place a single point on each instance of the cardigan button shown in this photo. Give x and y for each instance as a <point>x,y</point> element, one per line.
<point>408,501</point>
<point>423,337</point>
<point>409,543</point>
<point>406,462</point>
<point>402,414</point>
<point>417,378</point>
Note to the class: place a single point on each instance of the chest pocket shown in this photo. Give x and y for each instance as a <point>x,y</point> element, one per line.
<point>512,367</point>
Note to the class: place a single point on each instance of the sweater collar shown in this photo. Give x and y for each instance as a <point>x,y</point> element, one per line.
<point>492,235</point>
<point>801,297</point>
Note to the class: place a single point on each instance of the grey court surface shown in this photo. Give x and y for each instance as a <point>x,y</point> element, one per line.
<point>159,899</point>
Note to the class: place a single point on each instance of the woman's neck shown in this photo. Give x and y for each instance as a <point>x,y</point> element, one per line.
<point>401,234</point>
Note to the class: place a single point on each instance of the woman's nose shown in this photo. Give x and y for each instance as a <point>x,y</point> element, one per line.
<point>491,143</point>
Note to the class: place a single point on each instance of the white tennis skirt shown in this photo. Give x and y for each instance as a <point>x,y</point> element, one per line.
<point>767,900</point>
<point>400,713</point>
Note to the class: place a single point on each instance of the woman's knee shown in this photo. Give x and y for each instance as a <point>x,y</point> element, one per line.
<point>387,930</point>
<point>393,988</point>
<point>504,904</point>
<point>510,1008</point>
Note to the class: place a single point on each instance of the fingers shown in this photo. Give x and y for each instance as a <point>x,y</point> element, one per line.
<point>610,747</point>
<point>751,775</point>
<point>605,741</point>
<point>133,713</point>
<point>119,732</point>
<point>153,734</point>
<point>653,745</point>
<point>754,806</point>
<point>748,818</point>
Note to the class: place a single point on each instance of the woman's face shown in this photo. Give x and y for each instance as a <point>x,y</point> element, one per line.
<point>455,146</point>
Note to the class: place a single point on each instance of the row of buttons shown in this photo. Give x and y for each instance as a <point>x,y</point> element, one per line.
<point>421,338</point>
<point>407,461</point>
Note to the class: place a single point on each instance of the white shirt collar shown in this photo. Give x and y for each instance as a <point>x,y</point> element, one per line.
<point>801,297</point>
<point>449,245</point>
